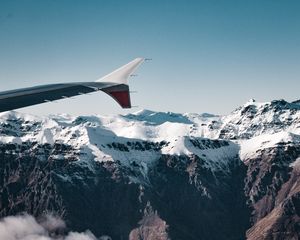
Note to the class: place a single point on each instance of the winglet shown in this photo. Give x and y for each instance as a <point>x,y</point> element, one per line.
<point>120,91</point>
<point>122,74</point>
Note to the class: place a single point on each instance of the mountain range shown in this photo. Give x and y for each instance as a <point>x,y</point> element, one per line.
<point>157,175</point>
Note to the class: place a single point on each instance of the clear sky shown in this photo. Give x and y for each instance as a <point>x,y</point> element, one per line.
<point>208,55</point>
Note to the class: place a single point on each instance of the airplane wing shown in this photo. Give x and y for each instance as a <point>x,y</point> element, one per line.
<point>114,84</point>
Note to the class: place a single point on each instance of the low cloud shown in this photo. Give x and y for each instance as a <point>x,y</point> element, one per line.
<point>26,227</point>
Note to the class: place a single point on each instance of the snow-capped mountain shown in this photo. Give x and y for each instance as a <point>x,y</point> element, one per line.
<point>157,175</point>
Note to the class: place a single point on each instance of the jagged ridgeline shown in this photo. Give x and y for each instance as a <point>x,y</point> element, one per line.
<point>154,175</point>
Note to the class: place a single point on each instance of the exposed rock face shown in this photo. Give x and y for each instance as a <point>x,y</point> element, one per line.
<point>272,187</point>
<point>26,182</point>
<point>189,194</point>
<point>182,199</point>
<point>158,175</point>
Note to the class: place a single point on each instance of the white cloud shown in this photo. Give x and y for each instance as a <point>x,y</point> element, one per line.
<point>80,236</point>
<point>26,227</point>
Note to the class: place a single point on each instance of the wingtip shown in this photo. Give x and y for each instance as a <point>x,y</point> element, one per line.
<point>122,74</point>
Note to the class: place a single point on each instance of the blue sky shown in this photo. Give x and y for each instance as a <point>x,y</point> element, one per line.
<point>208,55</point>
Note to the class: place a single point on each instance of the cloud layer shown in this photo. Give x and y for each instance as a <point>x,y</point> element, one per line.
<point>26,227</point>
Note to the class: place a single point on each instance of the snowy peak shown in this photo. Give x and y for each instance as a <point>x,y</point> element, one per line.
<point>254,119</point>
<point>157,118</point>
<point>253,107</point>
